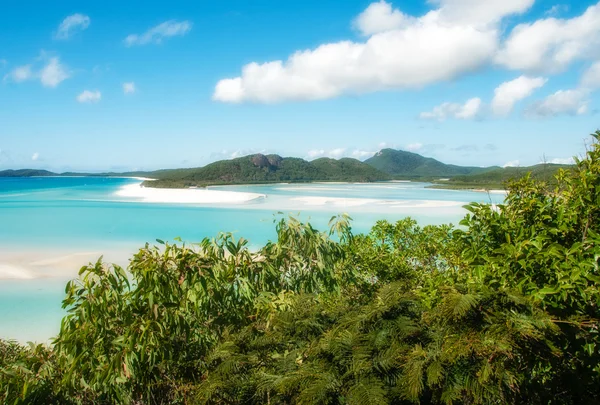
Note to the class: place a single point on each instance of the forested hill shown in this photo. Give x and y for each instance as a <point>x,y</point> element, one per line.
<point>269,169</point>
<point>405,164</point>
<point>26,173</point>
<point>497,177</point>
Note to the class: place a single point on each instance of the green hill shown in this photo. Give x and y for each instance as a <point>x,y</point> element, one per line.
<point>260,168</point>
<point>26,173</point>
<point>495,178</point>
<point>410,165</point>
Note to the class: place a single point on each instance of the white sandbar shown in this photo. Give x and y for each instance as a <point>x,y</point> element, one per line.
<point>185,196</point>
<point>40,263</point>
<point>357,202</point>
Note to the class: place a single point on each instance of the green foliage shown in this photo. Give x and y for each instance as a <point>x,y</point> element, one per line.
<point>496,178</point>
<point>29,375</point>
<point>504,309</point>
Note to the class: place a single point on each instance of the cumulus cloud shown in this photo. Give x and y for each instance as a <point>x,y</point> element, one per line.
<point>508,93</point>
<point>469,110</point>
<point>560,161</point>
<point>512,163</point>
<point>401,52</point>
<point>591,77</point>
<point>129,88</point>
<point>19,74</point>
<point>157,34</point>
<point>570,102</point>
<point>380,17</point>
<point>338,153</point>
<point>362,154</point>
<point>551,44</point>
<point>72,24</point>
<point>35,156</point>
<point>53,73</point>
<point>88,96</point>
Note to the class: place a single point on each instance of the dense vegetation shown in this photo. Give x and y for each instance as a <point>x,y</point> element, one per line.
<point>496,178</point>
<point>504,309</point>
<point>408,165</point>
<point>269,169</point>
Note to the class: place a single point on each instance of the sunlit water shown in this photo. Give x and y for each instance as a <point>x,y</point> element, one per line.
<point>49,227</point>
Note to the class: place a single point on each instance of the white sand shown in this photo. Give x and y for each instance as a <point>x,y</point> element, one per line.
<point>185,196</point>
<point>357,202</point>
<point>482,190</point>
<point>40,263</point>
<point>11,271</point>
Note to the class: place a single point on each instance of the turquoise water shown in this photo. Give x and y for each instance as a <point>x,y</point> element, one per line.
<point>41,218</point>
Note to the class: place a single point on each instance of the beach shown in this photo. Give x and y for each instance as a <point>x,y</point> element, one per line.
<point>185,196</point>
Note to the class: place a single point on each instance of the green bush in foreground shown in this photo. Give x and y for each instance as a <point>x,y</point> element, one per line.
<point>504,309</point>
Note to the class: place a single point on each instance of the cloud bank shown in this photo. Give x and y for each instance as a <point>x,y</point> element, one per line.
<point>401,51</point>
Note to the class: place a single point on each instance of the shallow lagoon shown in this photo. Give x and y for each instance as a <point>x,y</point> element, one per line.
<point>50,227</point>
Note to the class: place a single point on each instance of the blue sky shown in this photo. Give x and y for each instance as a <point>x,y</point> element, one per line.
<point>130,85</point>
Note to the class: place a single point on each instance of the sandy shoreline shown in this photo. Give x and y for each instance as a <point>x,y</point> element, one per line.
<point>186,195</point>
<point>41,263</point>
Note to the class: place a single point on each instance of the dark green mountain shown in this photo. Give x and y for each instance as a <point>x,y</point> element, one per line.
<point>260,168</point>
<point>410,165</point>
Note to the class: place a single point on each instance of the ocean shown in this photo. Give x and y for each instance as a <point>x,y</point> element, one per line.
<point>51,226</point>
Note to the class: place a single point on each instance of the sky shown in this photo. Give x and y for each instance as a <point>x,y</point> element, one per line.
<point>107,85</point>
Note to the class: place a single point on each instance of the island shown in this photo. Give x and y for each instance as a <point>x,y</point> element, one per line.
<point>385,165</point>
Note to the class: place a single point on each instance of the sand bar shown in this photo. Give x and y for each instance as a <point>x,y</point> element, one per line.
<point>360,202</point>
<point>185,196</point>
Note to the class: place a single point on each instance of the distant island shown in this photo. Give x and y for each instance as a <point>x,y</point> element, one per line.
<point>385,165</point>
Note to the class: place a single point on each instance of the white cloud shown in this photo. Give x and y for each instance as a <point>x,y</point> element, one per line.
<point>72,24</point>
<point>88,96</point>
<point>512,163</point>
<point>402,52</point>
<point>53,73</point>
<point>571,102</point>
<point>362,154</point>
<point>129,88</point>
<point>35,156</point>
<point>591,77</point>
<point>508,93</point>
<point>380,17</point>
<point>157,34</point>
<point>338,153</point>
<point>552,44</point>
<point>478,12</point>
<point>469,110</point>
<point>19,74</point>
<point>50,75</point>
<point>561,161</point>
<point>315,153</point>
